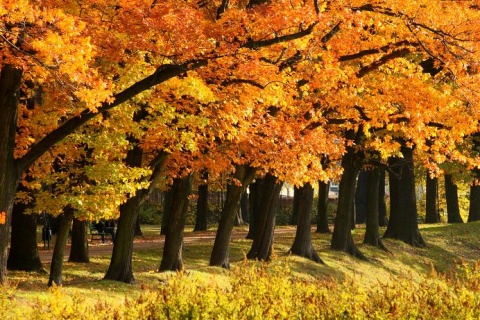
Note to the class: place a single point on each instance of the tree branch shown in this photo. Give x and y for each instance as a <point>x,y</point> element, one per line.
<point>162,74</point>
<point>252,44</point>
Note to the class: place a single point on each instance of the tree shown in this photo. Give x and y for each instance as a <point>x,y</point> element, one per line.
<point>79,246</point>
<point>372,235</point>
<point>262,244</point>
<point>302,244</point>
<point>403,224</point>
<point>56,266</point>
<point>23,254</point>
<point>202,204</point>
<point>451,195</point>
<point>342,239</point>
<point>322,207</point>
<point>432,215</point>
<point>242,177</point>
<point>177,212</point>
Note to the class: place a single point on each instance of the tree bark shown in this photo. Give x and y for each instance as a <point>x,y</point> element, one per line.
<point>120,268</point>
<point>138,229</point>
<point>382,205</point>
<point>372,234</point>
<point>56,267</point>
<point>451,195</point>
<point>342,239</point>
<point>244,201</point>
<point>296,206</point>
<point>361,192</point>
<point>23,254</point>
<point>263,239</point>
<point>432,215</point>
<point>403,224</point>
<point>221,246</point>
<point>79,247</point>
<point>10,80</point>
<point>202,203</point>
<point>178,208</point>
<point>254,206</point>
<point>322,208</point>
<point>474,209</point>
<point>302,244</point>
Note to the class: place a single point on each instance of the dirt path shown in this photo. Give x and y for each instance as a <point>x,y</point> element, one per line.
<point>97,248</point>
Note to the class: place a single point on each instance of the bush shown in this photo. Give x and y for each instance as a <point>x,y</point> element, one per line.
<point>255,291</point>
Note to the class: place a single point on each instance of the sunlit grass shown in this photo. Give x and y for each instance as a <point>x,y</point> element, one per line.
<point>447,246</point>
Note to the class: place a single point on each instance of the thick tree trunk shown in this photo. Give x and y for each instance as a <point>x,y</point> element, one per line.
<point>221,246</point>
<point>403,224</point>
<point>382,205</point>
<point>167,202</point>
<point>56,267</point>
<point>254,206</point>
<point>372,234</point>
<point>296,206</point>
<point>322,208</point>
<point>451,195</point>
<point>79,247</point>
<point>263,239</point>
<point>474,210</point>
<point>23,254</point>
<point>361,197</point>
<point>244,201</point>
<point>342,239</point>
<point>202,204</point>
<point>432,215</point>
<point>10,80</point>
<point>302,244</point>
<point>172,249</point>
<point>120,268</point>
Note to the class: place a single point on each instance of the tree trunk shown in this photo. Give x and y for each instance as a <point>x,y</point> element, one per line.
<point>244,207</point>
<point>167,202</point>
<point>474,210</point>
<point>382,205</point>
<point>23,254</point>
<point>451,195</point>
<point>238,216</point>
<point>120,268</point>
<point>221,246</point>
<point>172,249</point>
<point>138,229</point>
<point>322,208</point>
<point>361,192</point>
<point>263,239</point>
<point>403,224</point>
<point>432,215</point>
<point>59,250</point>
<point>302,244</point>
<point>10,80</point>
<point>342,239</point>
<point>254,206</point>
<point>296,206</point>
<point>372,234</point>
<point>202,203</point>
<point>79,247</point>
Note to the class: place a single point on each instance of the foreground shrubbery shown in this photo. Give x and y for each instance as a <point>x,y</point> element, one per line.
<point>259,292</point>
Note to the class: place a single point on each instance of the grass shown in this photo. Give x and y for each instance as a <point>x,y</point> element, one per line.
<point>447,246</point>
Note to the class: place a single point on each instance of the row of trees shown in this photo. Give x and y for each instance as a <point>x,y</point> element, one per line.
<point>100,101</point>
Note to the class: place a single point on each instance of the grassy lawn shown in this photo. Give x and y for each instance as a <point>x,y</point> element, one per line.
<point>447,247</point>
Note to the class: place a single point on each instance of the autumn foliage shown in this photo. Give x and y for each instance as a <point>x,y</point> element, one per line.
<point>274,85</point>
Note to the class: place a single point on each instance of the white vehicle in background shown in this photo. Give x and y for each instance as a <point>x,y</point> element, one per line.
<point>333,191</point>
